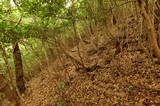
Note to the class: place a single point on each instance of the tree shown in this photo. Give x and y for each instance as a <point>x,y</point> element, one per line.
<point>152,35</point>
<point>18,68</point>
<point>11,35</point>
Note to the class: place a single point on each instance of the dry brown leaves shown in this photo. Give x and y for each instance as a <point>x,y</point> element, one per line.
<point>125,78</point>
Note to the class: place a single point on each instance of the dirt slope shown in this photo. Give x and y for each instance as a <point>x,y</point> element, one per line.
<point>120,73</point>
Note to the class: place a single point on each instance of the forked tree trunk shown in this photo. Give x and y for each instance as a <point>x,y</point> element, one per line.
<point>152,35</point>
<point>18,68</point>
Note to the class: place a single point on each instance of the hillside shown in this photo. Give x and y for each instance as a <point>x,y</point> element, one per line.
<point>80,52</point>
<point>120,73</point>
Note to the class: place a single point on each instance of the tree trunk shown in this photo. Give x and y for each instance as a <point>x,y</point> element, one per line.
<point>157,20</point>
<point>152,35</point>
<point>74,28</point>
<point>18,68</point>
<point>157,15</point>
<point>158,4</point>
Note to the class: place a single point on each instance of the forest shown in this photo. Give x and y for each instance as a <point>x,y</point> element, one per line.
<point>80,52</point>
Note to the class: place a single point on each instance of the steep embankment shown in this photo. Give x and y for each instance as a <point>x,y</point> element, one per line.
<point>121,72</point>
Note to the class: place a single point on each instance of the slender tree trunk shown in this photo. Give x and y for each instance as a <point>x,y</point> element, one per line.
<point>157,14</point>
<point>158,4</point>
<point>18,68</point>
<point>74,28</point>
<point>157,20</point>
<point>152,35</point>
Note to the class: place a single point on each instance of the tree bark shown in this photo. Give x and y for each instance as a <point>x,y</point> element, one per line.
<point>18,68</point>
<point>152,35</point>
<point>157,20</point>
<point>157,15</point>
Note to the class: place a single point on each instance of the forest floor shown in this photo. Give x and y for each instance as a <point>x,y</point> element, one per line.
<point>120,73</point>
